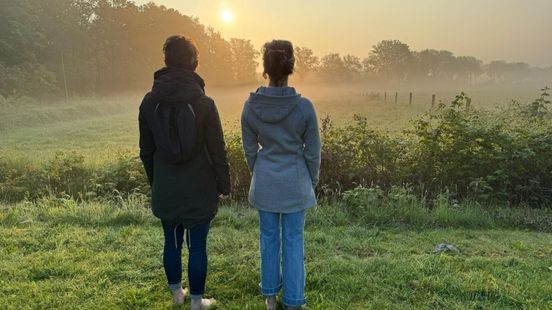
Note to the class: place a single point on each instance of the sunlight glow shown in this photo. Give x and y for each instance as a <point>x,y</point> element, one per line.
<point>227,16</point>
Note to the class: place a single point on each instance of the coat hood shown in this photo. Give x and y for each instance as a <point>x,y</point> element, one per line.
<point>273,104</point>
<point>177,85</point>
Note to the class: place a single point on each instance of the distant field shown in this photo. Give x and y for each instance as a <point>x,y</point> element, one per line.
<point>100,127</point>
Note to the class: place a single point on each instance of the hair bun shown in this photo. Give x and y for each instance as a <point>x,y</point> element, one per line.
<point>278,59</point>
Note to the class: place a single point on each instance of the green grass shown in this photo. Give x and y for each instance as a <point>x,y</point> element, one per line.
<point>98,127</point>
<point>57,253</point>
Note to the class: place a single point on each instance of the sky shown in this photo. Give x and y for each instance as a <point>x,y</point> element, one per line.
<point>512,30</point>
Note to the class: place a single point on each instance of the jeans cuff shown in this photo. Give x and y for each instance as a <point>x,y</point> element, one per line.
<point>294,302</point>
<point>270,291</point>
<point>175,286</point>
<point>196,296</point>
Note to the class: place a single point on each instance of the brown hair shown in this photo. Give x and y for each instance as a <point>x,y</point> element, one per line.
<point>181,52</point>
<point>278,59</point>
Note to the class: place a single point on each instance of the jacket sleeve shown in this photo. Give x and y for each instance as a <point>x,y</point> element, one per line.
<point>249,140</point>
<point>312,148</point>
<point>214,141</point>
<point>147,144</point>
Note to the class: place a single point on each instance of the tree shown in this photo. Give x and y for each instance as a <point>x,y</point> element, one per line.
<point>353,66</point>
<point>495,69</point>
<point>332,68</point>
<point>502,71</point>
<point>22,45</point>
<point>434,65</point>
<point>390,59</point>
<point>117,55</point>
<point>468,68</point>
<point>305,62</point>
<point>244,64</point>
<point>66,24</point>
<point>216,65</point>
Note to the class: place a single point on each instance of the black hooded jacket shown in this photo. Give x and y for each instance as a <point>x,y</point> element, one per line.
<point>185,193</point>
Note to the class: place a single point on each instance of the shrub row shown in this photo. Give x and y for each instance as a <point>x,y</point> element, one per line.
<point>466,153</point>
<point>68,175</point>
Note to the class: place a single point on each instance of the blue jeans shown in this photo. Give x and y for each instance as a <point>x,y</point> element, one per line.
<point>282,256</point>
<point>196,240</point>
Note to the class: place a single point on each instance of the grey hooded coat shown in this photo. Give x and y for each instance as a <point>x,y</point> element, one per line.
<point>281,141</point>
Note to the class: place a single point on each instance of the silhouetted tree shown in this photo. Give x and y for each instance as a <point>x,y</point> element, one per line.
<point>468,68</point>
<point>432,64</point>
<point>244,64</point>
<point>353,66</point>
<point>305,62</point>
<point>216,58</point>
<point>390,59</point>
<point>502,71</point>
<point>332,68</point>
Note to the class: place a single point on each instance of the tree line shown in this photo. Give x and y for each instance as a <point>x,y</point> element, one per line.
<point>99,46</point>
<point>395,62</point>
<point>103,46</point>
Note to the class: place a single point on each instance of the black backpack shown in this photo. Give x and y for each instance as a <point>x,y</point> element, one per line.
<point>175,132</point>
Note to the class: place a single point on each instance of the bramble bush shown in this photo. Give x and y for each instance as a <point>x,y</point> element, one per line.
<point>484,156</point>
<point>67,175</point>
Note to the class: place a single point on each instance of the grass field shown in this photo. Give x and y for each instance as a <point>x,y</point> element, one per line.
<point>60,254</point>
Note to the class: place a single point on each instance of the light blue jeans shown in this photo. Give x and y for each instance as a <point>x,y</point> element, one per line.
<point>282,256</point>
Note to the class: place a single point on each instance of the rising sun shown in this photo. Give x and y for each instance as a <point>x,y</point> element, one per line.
<point>227,16</point>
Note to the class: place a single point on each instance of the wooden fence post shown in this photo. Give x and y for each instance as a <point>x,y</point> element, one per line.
<point>385,97</point>
<point>396,97</point>
<point>432,100</point>
<point>468,103</point>
<point>410,99</point>
<point>64,77</point>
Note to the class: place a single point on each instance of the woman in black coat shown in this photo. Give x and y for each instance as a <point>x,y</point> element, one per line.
<point>185,192</point>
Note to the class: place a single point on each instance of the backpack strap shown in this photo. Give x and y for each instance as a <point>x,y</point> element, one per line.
<point>192,109</point>
<point>207,154</point>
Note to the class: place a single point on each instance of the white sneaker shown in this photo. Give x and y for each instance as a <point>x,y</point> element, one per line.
<point>179,296</point>
<point>271,303</point>
<point>205,303</point>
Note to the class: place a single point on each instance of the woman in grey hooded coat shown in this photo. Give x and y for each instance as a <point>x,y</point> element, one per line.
<point>281,141</point>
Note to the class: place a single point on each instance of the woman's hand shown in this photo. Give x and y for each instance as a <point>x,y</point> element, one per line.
<point>223,197</point>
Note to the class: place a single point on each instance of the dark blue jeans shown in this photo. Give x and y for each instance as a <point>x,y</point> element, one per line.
<point>196,240</point>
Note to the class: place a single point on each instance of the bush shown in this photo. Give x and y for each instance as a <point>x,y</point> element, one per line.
<point>239,171</point>
<point>469,154</point>
<point>67,175</point>
<point>355,155</point>
<point>474,154</point>
<point>122,177</point>
<point>28,79</point>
